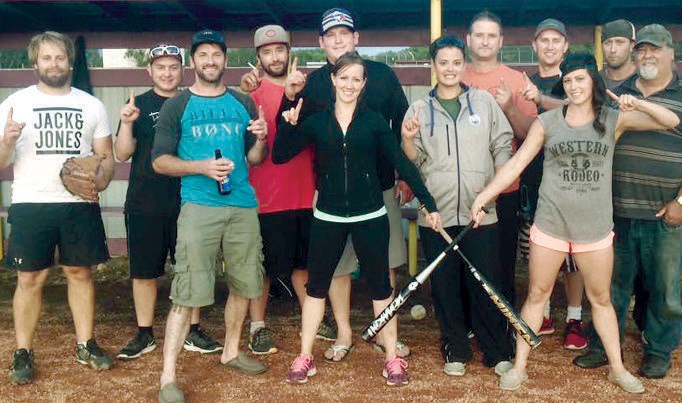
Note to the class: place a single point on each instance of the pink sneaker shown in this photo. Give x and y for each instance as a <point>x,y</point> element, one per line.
<point>394,372</point>
<point>301,369</point>
<point>547,326</point>
<point>574,335</point>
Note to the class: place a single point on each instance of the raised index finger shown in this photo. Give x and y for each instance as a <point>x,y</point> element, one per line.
<point>10,114</point>
<point>294,65</point>
<point>612,95</point>
<point>261,114</point>
<point>299,105</point>
<point>131,102</point>
<point>525,78</point>
<point>416,112</point>
<point>504,83</point>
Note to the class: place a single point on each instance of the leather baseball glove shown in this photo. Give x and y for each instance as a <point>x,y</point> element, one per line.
<point>78,176</point>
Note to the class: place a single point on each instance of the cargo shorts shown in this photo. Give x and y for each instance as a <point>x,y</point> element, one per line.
<point>202,231</point>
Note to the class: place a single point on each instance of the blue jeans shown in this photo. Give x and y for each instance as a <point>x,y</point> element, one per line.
<point>651,248</point>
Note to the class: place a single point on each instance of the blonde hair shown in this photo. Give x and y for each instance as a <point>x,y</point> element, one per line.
<point>56,38</point>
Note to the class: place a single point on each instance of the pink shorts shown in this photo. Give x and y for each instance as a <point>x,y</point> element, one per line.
<point>540,238</point>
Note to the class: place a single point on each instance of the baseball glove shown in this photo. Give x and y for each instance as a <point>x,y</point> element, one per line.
<point>78,176</point>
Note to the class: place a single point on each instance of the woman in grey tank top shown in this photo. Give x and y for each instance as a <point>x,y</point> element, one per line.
<point>574,211</point>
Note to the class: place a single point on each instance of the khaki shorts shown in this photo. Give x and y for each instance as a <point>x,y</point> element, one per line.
<point>202,230</point>
<point>397,250</point>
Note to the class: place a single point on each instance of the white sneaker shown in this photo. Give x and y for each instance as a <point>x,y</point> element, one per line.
<point>503,367</point>
<point>455,368</point>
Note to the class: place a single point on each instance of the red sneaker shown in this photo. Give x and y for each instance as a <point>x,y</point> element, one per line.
<point>574,335</point>
<point>547,326</point>
<point>394,372</point>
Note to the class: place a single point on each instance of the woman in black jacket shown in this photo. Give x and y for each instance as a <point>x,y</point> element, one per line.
<point>347,142</point>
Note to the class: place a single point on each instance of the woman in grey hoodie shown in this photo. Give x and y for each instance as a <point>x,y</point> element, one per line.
<point>457,136</point>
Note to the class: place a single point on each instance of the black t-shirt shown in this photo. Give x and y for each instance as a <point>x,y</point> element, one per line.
<point>533,173</point>
<point>148,192</point>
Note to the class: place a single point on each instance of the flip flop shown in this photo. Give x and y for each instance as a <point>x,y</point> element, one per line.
<point>401,349</point>
<point>336,349</point>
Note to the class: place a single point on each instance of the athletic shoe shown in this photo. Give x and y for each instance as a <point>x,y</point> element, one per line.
<point>200,342</point>
<point>171,393</point>
<point>471,334</point>
<point>261,343</point>
<point>513,379</point>
<point>574,335</point>
<point>21,370</point>
<point>143,343</point>
<point>627,382</point>
<point>452,366</point>
<point>503,367</point>
<point>326,331</point>
<point>654,367</point>
<point>394,372</point>
<point>547,326</point>
<point>455,368</point>
<point>591,359</point>
<point>301,369</point>
<point>91,354</point>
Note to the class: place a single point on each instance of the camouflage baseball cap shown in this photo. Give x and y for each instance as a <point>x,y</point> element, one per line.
<point>654,34</point>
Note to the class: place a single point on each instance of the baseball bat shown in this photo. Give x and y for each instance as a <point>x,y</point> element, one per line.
<point>389,312</point>
<point>498,299</point>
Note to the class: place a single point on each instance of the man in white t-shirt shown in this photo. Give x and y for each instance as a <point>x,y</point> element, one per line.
<point>44,125</point>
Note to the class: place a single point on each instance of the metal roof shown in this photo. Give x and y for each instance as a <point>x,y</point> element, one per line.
<point>246,15</point>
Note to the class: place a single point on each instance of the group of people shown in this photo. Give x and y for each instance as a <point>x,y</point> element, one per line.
<point>302,176</point>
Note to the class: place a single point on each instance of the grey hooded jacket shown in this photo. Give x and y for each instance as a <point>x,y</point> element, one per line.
<point>458,159</point>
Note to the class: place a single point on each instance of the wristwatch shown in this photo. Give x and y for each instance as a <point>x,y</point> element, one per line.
<point>679,200</point>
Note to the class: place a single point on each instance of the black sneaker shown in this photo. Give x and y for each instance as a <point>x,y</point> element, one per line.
<point>591,359</point>
<point>261,343</point>
<point>201,343</point>
<point>143,343</point>
<point>327,330</point>
<point>91,354</point>
<point>21,370</point>
<point>653,367</point>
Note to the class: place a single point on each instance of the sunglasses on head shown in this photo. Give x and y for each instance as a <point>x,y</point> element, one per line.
<point>164,50</point>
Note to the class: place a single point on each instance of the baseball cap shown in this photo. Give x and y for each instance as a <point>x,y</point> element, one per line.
<point>551,23</point>
<point>623,28</point>
<point>654,34</point>
<point>336,17</point>
<point>270,34</point>
<point>163,50</point>
<point>208,36</point>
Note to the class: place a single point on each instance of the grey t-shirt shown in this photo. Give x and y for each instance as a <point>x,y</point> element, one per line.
<point>575,194</point>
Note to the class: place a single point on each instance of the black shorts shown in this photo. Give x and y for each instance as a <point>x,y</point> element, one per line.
<point>151,240</point>
<point>285,241</point>
<point>37,228</point>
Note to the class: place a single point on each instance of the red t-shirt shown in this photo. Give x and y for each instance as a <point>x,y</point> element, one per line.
<point>490,81</point>
<point>290,186</point>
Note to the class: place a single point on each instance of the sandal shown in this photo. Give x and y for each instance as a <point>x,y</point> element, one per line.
<point>401,349</point>
<point>335,349</point>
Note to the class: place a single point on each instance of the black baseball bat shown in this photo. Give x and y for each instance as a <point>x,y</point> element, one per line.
<point>498,299</point>
<point>387,314</point>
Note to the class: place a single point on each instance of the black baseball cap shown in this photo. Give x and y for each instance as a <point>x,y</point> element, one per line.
<point>208,36</point>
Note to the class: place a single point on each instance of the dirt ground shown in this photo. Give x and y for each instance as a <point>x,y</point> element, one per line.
<point>60,378</point>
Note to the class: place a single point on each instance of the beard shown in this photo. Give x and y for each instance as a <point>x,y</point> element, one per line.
<point>207,79</point>
<point>54,80</point>
<point>273,73</point>
<point>648,71</point>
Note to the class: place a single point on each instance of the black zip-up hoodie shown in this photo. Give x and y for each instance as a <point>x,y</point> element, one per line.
<point>347,178</point>
<point>383,94</point>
